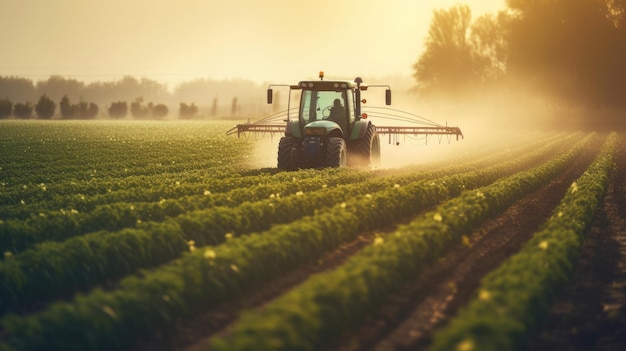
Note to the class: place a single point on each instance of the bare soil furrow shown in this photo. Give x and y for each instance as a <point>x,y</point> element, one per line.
<point>590,313</point>
<point>195,334</point>
<point>407,320</point>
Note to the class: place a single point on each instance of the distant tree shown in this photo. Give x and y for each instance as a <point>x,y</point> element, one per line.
<point>6,108</point>
<point>234,107</point>
<point>104,92</point>
<point>45,107</point>
<point>489,44</point>
<point>153,90</point>
<point>187,111</point>
<point>85,110</point>
<point>23,110</point>
<point>66,108</point>
<point>57,86</point>
<point>17,89</point>
<point>249,94</point>
<point>160,111</point>
<point>573,49</point>
<point>118,109</point>
<point>138,110</point>
<point>193,110</point>
<point>214,107</point>
<point>128,86</point>
<point>82,110</point>
<point>449,63</point>
<point>92,111</point>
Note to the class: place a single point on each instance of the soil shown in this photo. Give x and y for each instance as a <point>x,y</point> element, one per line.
<point>590,312</point>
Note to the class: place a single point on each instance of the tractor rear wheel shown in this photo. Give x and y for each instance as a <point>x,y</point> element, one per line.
<point>287,153</point>
<point>336,154</point>
<point>365,152</point>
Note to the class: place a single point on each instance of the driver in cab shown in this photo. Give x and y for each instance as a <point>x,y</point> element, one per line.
<point>337,113</point>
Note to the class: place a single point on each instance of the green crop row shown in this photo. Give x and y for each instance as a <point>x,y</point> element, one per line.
<point>40,198</point>
<point>29,199</point>
<point>69,159</point>
<point>55,269</point>
<point>24,200</point>
<point>512,301</point>
<point>18,235</point>
<point>206,276</point>
<point>144,189</point>
<point>311,315</point>
<point>78,214</point>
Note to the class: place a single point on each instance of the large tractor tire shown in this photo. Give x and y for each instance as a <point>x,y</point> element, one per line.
<point>336,153</point>
<point>287,153</point>
<point>365,152</point>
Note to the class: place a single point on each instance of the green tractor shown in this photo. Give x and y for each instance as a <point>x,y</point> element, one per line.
<point>330,130</point>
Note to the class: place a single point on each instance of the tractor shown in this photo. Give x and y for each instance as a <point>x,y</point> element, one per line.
<point>331,130</point>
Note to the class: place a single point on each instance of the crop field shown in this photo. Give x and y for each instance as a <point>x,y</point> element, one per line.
<point>170,236</point>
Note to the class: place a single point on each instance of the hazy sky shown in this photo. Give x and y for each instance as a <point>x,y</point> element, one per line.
<point>180,40</point>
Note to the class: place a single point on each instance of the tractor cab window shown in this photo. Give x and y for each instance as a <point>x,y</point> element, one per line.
<point>307,106</point>
<point>318,105</point>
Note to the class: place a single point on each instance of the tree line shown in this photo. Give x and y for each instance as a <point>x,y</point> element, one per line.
<point>46,108</point>
<point>570,51</point>
<point>19,98</point>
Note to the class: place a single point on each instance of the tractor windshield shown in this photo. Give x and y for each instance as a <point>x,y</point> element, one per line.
<point>320,104</point>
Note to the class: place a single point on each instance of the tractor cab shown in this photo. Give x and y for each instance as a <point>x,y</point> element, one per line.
<point>329,106</point>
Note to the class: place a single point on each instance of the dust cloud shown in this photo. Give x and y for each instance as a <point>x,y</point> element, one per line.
<point>265,154</point>
<point>489,120</point>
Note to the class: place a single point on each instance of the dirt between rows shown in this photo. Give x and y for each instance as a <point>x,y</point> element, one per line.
<point>408,318</point>
<point>195,334</point>
<point>590,312</point>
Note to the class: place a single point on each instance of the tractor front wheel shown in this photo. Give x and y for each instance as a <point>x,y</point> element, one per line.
<point>287,153</point>
<point>336,153</point>
<point>365,152</point>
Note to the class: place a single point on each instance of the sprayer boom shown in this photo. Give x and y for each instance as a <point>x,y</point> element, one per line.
<point>257,128</point>
<point>392,131</point>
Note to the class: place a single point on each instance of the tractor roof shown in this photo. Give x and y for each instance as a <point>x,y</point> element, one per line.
<point>326,85</point>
